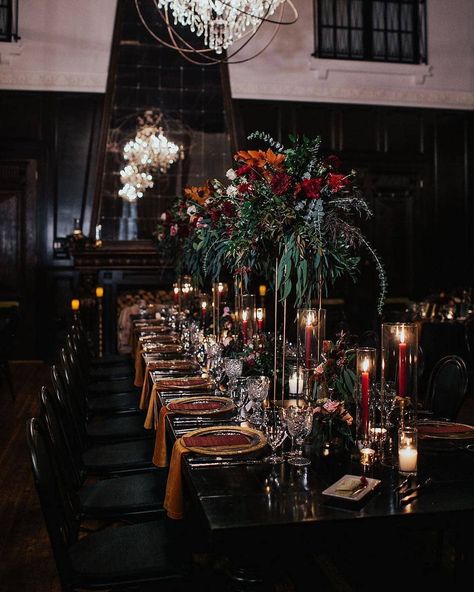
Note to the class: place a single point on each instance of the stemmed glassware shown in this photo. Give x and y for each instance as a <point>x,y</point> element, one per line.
<point>299,423</point>
<point>216,372</point>
<point>257,392</point>
<point>239,396</point>
<point>233,368</point>
<point>275,431</point>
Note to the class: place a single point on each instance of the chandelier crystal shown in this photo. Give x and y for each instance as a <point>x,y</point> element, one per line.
<point>150,151</point>
<point>220,22</point>
<point>217,23</point>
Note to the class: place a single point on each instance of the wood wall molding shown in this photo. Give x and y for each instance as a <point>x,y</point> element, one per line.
<point>44,80</point>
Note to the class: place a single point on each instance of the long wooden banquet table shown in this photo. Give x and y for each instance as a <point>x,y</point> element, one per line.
<point>253,509</point>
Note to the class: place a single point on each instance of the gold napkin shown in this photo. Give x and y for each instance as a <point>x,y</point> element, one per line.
<point>139,368</point>
<point>173,503</point>
<point>160,454</point>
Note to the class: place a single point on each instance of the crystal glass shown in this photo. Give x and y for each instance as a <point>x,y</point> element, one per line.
<point>233,368</point>
<point>239,396</point>
<point>216,372</point>
<point>275,431</point>
<point>257,392</point>
<point>299,423</point>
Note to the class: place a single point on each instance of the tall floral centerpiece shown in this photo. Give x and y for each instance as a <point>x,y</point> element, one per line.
<point>288,210</point>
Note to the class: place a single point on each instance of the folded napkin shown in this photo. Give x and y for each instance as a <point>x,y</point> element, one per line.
<point>160,454</point>
<point>223,441</point>
<point>202,406</point>
<point>174,503</point>
<point>139,371</point>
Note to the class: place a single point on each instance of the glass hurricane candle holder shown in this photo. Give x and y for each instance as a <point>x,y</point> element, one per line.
<point>399,385</point>
<point>407,450</point>
<point>399,366</point>
<point>366,358</point>
<point>311,334</point>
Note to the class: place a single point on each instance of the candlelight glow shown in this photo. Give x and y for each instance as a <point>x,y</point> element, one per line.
<point>365,365</point>
<point>262,290</point>
<point>220,287</point>
<point>99,291</point>
<point>260,314</point>
<point>402,335</point>
<point>244,315</point>
<point>310,319</point>
<point>75,304</point>
<point>176,290</point>
<point>203,305</point>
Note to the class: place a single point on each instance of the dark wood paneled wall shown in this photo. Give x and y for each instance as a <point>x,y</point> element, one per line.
<point>416,170</point>
<point>49,141</point>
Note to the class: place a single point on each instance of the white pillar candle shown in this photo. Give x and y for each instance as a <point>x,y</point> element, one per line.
<point>295,384</point>
<point>407,459</point>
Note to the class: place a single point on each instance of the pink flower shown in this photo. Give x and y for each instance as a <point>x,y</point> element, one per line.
<point>166,217</point>
<point>200,223</point>
<point>173,230</point>
<point>319,369</point>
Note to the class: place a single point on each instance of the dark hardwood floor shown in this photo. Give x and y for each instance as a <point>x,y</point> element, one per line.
<point>26,562</point>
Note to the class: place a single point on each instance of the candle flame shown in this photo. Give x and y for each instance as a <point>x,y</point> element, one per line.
<point>204,305</point>
<point>365,365</point>
<point>244,315</point>
<point>260,314</point>
<point>402,335</point>
<point>310,319</point>
<point>220,287</point>
<point>176,290</point>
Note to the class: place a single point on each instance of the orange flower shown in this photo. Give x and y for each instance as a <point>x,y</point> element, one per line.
<point>197,194</point>
<point>258,159</point>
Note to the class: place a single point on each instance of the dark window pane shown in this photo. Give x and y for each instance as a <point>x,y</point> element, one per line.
<point>342,43</point>
<point>379,45</point>
<point>357,44</point>
<point>357,14</point>
<point>378,15</point>
<point>326,44</point>
<point>392,15</point>
<point>327,12</point>
<point>407,47</point>
<point>341,13</point>
<point>406,22</point>
<point>393,49</point>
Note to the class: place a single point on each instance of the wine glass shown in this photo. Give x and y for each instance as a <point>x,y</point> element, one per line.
<point>257,392</point>
<point>275,430</point>
<point>233,368</point>
<point>216,372</point>
<point>239,396</point>
<point>299,423</point>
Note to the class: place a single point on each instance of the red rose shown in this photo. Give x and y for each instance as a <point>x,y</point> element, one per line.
<point>244,188</point>
<point>280,183</point>
<point>310,187</point>
<point>243,170</point>
<point>337,181</point>
<point>228,209</point>
<point>215,215</point>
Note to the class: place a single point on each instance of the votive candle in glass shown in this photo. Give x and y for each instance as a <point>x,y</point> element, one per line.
<point>407,450</point>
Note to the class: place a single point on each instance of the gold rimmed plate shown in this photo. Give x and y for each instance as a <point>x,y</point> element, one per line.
<point>224,440</point>
<point>200,405</point>
<point>184,383</point>
<point>444,430</point>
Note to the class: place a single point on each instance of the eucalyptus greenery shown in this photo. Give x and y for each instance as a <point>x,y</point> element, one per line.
<point>287,206</point>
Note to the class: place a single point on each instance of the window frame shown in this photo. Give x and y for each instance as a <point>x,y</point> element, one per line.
<point>419,33</point>
<point>10,8</point>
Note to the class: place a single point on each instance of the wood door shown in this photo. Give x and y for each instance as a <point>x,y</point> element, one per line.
<point>18,248</point>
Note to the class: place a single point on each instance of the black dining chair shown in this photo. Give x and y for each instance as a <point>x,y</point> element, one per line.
<point>136,496</point>
<point>107,402</point>
<point>447,388</point>
<point>98,428</point>
<point>99,458</point>
<point>115,558</point>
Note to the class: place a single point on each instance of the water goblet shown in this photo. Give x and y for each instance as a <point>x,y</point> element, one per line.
<point>239,396</point>
<point>233,368</point>
<point>257,392</point>
<point>216,372</point>
<point>275,432</point>
<point>299,423</point>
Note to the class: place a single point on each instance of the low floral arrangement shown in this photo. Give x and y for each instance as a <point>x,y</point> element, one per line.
<point>334,377</point>
<point>257,355</point>
<point>332,425</point>
<point>288,205</point>
<point>177,225</point>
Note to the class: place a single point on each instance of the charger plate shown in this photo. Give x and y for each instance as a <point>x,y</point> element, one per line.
<point>184,383</point>
<point>255,440</point>
<point>184,405</point>
<point>444,430</point>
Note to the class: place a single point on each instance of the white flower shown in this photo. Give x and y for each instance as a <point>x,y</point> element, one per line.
<point>191,210</point>
<point>231,175</point>
<point>231,191</point>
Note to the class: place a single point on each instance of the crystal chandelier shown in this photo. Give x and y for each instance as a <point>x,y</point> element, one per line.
<point>148,152</point>
<point>218,23</point>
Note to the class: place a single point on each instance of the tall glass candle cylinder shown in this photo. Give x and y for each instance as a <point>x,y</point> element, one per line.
<point>311,334</point>
<point>400,364</point>
<point>247,317</point>
<point>366,369</point>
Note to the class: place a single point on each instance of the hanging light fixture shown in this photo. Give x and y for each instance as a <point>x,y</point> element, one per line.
<point>218,23</point>
<point>150,151</point>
